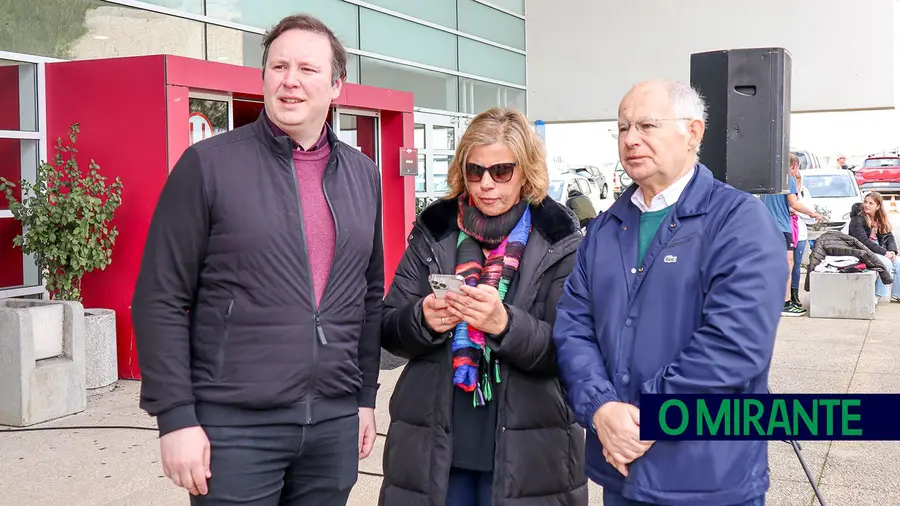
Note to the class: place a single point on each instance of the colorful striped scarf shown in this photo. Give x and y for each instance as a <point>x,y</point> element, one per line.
<point>506,236</point>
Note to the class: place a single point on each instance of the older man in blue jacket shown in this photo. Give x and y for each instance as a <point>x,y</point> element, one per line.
<point>676,289</point>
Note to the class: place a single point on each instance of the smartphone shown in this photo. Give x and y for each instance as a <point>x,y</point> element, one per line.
<point>443,283</point>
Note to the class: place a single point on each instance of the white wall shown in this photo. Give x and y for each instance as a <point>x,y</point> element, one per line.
<point>583,55</point>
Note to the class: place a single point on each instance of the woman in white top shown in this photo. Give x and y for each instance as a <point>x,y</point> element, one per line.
<point>801,221</point>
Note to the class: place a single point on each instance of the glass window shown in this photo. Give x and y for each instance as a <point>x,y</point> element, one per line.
<point>102,30</point>
<point>18,160</point>
<point>484,60</point>
<point>192,6</point>
<point>477,96</point>
<point>491,24</point>
<point>830,186</point>
<point>208,118</point>
<point>881,162</point>
<point>391,36</point>
<point>340,16</point>
<point>442,12</point>
<point>440,164</point>
<point>556,189</point>
<point>419,136</point>
<point>420,177</point>
<point>442,137</point>
<point>353,68</point>
<point>431,90</point>
<point>233,46</point>
<point>517,6</point>
<point>18,96</point>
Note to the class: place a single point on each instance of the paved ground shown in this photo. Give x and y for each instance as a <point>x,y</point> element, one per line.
<point>97,466</point>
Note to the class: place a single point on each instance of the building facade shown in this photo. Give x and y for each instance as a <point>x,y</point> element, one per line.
<point>584,55</point>
<point>458,57</point>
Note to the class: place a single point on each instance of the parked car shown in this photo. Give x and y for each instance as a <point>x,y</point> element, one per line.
<point>621,180</point>
<point>595,175</point>
<point>808,160</point>
<point>834,190</point>
<point>562,182</point>
<point>880,174</point>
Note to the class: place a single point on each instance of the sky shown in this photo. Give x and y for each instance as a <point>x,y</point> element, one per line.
<point>854,134</point>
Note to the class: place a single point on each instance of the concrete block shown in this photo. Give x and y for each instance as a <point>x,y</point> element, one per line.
<point>33,389</point>
<point>101,363</point>
<point>839,295</point>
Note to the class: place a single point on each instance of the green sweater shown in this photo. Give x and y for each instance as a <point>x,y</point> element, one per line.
<point>650,222</point>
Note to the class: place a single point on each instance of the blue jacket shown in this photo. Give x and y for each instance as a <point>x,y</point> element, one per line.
<point>699,315</point>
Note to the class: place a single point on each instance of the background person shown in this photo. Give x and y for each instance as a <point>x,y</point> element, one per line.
<point>870,225</point>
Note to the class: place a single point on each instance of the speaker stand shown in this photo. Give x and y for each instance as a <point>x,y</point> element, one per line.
<point>799,452</point>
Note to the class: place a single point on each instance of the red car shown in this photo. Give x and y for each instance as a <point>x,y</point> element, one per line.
<point>880,174</point>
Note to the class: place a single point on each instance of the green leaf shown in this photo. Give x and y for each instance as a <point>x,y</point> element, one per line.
<point>66,216</point>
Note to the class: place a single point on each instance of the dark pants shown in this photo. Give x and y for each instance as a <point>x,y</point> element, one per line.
<point>469,488</point>
<point>613,499</point>
<point>283,465</point>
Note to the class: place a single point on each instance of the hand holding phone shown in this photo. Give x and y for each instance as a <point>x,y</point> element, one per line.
<point>434,308</point>
<point>443,283</point>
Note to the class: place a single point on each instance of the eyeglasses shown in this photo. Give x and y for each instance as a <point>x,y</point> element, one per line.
<point>644,127</point>
<point>500,172</point>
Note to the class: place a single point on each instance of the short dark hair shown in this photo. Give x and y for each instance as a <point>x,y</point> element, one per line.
<point>308,23</point>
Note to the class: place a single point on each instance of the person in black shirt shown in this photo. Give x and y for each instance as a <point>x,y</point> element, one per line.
<point>478,416</point>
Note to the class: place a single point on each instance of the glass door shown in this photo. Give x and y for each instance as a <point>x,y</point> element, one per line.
<point>436,136</point>
<point>360,129</point>
<point>210,114</point>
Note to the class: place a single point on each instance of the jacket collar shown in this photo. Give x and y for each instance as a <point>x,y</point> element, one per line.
<point>549,218</point>
<point>694,200</point>
<point>281,143</point>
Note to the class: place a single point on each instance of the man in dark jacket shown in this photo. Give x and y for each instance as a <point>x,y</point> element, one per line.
<point>582,206</point>
<point>671,294</point>
<point>257,311</point>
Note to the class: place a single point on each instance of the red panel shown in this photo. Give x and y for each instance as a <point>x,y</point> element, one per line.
<point>378,99</point>
<point>9,98</point>
<point>134,118</point>
<point>121,106</point>
<point>247,82</point>
<point>366,135</point>
<point>11,273</point>
<point>177,117</point>
<point>214,76</point>
<point>398,192</point>
<point>409,182</point>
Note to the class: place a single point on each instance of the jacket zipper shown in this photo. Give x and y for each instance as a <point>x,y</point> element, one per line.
<point>221,362</point>
<point>320,332</point>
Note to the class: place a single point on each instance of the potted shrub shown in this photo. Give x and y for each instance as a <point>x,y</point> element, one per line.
<point>65,216</point>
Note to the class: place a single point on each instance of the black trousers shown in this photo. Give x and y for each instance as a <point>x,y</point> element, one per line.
<point>282,465</point>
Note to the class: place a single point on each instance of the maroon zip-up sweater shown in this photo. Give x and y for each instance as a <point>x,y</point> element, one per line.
<point>318,222</point>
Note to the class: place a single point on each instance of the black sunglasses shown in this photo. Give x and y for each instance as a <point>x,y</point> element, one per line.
<point>500,172</point>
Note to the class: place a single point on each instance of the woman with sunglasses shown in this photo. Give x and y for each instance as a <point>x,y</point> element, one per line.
<point>478,417</point>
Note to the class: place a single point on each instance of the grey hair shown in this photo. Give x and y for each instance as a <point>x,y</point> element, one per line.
<point>688,104</point>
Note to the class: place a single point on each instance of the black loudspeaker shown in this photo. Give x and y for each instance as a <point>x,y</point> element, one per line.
<point>748,97</point>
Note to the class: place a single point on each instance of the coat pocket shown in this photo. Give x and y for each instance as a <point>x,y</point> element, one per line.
<point>220,358</point>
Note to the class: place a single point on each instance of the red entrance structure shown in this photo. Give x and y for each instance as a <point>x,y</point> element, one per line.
<point>139,114</point>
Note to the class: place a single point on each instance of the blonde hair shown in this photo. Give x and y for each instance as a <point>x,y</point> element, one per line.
<point>510,127</point>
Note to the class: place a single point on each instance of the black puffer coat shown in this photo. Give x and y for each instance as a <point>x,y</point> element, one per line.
<point>861,231</point>
<point>539,455</point>
<point>834,243</point>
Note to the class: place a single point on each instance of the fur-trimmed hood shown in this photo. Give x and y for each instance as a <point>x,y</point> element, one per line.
<point>549,218</point>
